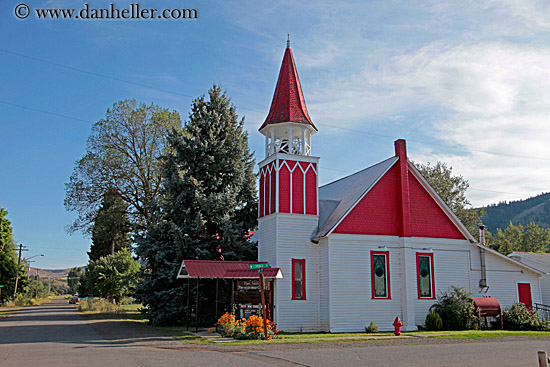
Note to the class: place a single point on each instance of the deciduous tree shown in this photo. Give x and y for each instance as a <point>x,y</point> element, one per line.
<point>8,257</point>
<point>122,155</point>
<point>529,238</point>
<point>113,276</point>
<point>8,260</point>
<point>452,189</point>
<point>73,279</point>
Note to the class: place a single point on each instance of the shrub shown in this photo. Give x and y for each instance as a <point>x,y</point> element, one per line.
<point>456,309</point>
<point>98,305</point>
<point>372,328</point>
<point>228,324</point>
<point>433,321</point>
<point>518,317</point>
<point>251,328</point>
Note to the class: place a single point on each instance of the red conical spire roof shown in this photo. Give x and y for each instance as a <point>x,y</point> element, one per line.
<point>288,101</point>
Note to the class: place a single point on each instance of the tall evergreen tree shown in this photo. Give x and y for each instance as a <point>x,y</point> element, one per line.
<point>111,229</point>
<point>208,204</point>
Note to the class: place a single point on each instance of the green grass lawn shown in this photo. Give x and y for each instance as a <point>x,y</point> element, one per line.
<point>283,335</point>
<point>122,312</point>
<point>483,334</point>
<point>180,334</point>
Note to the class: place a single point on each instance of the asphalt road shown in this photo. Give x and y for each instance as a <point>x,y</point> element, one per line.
<point>55,335</point>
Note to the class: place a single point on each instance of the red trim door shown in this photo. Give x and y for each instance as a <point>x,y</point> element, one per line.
<point>524,294</point>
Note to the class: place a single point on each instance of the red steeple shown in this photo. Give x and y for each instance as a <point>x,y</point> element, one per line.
<point>288,103</point>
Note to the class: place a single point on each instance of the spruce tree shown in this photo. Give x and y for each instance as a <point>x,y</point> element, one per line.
<point>206,208</point>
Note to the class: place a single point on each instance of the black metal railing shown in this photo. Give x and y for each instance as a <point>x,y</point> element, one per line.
<point>543,310</point>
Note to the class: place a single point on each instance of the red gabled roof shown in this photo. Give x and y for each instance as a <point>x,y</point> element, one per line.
<point>392,199</point>
<point>288,103</point>
<point>223,269</point>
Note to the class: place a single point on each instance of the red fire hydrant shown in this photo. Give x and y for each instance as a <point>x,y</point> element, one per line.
<point>397,324</point>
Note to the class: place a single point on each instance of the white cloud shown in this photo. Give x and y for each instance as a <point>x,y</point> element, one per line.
<point>497,96</point>
<point>470,75</point>
<point>495,99</point>
<point>534,13</point>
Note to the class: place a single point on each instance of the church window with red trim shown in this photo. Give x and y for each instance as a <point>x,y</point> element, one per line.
<point>380,274</point>
<point>425,275</point>
<point>299,279</point>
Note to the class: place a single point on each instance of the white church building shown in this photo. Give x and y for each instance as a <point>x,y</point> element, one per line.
<point>371,246</point>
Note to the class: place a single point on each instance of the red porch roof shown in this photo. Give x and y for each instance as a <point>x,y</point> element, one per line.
<point>223,269</point>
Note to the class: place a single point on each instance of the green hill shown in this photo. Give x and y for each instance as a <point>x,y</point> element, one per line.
<point>535,209</point>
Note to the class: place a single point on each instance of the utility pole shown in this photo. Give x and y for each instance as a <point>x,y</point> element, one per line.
<point>18,265</point>
<point>36,295</point>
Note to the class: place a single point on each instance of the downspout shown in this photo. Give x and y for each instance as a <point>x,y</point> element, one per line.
<point>483,280</point>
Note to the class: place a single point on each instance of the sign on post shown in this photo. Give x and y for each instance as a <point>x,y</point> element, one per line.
<point>259,266</point>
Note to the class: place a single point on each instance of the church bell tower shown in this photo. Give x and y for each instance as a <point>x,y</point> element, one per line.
<point>288,174</point>
<point>288,211</point>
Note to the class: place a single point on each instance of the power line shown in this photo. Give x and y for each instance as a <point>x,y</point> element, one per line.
<point>242,108</point>
<point>326,168</point>
<point>436,144</point>
<point>103,75</point>
<point>469,188</point>
<point>93,73</point>
<point>47,112</point>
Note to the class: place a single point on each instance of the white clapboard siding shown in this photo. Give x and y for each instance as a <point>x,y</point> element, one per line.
<point>293,242</point>
<point>545,289</point>
<point>502,278</point>
<point>542,266</point>
<point>451,268</point>
<point>324,286</point>
<point>544,281</point>
<point>267,239</point>
<point>351,304</point>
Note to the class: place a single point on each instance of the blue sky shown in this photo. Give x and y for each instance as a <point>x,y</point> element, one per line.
<point>464,82</point>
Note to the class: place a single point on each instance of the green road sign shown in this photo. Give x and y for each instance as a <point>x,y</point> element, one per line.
<point>259,266</point>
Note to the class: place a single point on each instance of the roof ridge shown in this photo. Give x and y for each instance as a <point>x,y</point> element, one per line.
<point>358,172</point>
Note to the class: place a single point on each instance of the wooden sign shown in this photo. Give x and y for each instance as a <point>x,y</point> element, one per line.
<point>248,285</point>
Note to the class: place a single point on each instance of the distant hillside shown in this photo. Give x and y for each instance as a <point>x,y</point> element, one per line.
<point>60,274</point>
<point>535,209</point>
